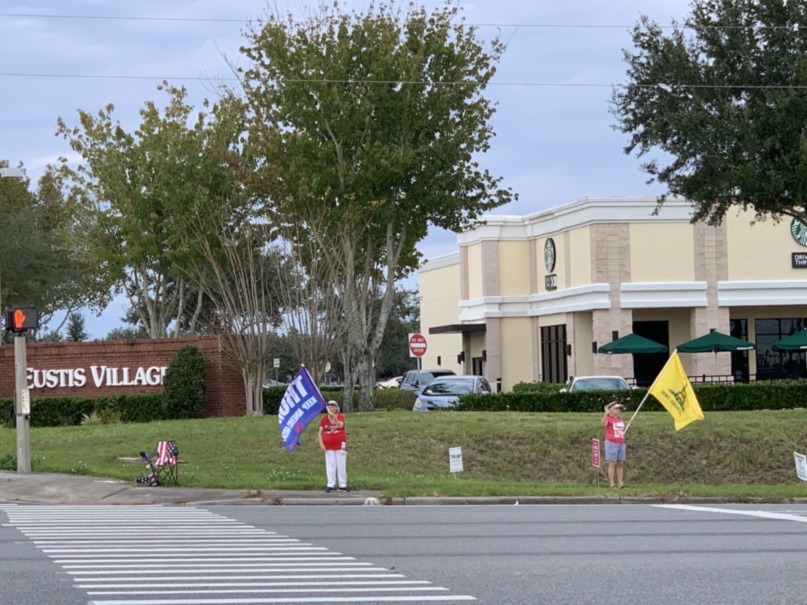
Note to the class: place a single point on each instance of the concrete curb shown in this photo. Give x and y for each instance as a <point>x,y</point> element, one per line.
<point>52,488</point>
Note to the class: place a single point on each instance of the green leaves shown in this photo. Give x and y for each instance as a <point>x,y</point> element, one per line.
<point>722,99</point>
<point>142,198</point>
<point>373,118</point>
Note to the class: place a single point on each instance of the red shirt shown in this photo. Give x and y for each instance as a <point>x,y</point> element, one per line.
<point>333,437</point>
<point>615,429</point>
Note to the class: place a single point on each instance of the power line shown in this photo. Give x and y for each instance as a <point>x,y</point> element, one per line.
<point>122,18</point>
<point>497,25</point>
<point>666,86</point>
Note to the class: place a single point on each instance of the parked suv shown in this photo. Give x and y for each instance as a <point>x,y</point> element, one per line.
<point>415,380</point>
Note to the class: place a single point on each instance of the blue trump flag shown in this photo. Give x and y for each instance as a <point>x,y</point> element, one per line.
<point>299,406</point>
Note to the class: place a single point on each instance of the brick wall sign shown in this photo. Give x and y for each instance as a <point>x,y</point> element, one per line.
<point>126,367</point>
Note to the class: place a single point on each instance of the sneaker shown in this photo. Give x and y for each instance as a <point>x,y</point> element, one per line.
<point>329,489</point>
<point>344,489</point>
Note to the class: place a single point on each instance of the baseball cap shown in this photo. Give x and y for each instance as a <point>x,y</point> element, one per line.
<point>616,404</point>
<point>332,402</point>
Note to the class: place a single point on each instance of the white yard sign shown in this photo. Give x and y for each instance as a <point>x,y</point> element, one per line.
<point>455,459</point>
<point>801,465</point>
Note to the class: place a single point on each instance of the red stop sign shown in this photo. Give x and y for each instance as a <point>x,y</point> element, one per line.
<point>417,345</point>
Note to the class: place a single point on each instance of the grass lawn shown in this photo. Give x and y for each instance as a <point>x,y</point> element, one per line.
<point>736,455</point>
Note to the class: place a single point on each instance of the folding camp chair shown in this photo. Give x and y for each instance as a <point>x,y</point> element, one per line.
<point>163,464</point>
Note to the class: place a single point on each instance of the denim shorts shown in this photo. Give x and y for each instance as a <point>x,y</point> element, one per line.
<point>614,452</point>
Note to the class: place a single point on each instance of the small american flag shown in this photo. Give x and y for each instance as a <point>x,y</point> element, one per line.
<point>147,480</point>
<point>167,452</point>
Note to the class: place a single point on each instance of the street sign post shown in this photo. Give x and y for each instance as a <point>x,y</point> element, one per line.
<point>417,345</point>
<point>417,348</point>
<point>595,453</point>
<point>595,458</point>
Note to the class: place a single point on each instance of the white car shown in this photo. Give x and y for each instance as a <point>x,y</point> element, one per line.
<point>392,383</point>
<point>597,383</point>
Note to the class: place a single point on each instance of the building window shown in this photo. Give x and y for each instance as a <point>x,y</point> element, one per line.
<point>554,365</point>
<point>739,359</point>
<point>778,364</point>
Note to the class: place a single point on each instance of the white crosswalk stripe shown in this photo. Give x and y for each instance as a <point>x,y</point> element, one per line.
<point>153,555</point>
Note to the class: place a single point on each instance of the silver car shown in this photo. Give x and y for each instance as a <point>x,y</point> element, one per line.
<point>414,380</point>
<point>598,383</point>
<point>443,392</point>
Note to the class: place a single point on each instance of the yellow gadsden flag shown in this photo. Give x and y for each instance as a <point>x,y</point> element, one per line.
<point>674,392</point>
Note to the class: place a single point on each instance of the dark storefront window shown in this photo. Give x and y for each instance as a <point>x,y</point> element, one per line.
<point>778,364</point>
<point>739,359</point>
<point>554,367</point>
<point>648,365</point>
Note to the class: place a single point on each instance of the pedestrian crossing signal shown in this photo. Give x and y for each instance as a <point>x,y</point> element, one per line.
<point>22,319</point>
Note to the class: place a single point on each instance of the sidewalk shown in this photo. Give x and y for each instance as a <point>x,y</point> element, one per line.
<point>51,488</point>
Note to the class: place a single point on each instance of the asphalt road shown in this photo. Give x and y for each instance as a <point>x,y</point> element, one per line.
<point>493,555</point>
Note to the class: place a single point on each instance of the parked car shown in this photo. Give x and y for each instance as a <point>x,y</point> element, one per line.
<point>415,380</point>
<point>597,383</point>
<point>392,383</point>
<point>271,382</point>
<point>445,391</point>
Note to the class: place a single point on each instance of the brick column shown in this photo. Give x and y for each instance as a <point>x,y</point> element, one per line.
<point>610,245</point>
<point>711,266</point>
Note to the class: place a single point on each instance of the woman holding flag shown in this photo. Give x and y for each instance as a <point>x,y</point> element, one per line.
<point>614,442</point>
<point>332,440</point>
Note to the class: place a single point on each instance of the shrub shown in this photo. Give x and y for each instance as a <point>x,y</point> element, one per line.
<point>271,400</point>
<point>764,394</point>
<point>538,387</point>
<point>8,462</point>
<point>393,399</point>
<point>184,384</point>
<point>7,412</point>
<point>146,407</point>
<point>60,411</point>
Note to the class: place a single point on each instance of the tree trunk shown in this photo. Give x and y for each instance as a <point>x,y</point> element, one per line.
<point>253,389</point>
<point>366,382</point>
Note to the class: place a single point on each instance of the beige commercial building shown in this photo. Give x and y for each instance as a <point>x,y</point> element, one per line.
<point>531,298</point>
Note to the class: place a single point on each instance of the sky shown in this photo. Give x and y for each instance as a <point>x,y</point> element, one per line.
<point>554,143</point>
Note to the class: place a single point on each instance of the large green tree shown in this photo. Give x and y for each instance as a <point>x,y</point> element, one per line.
<point>367,128</point>
<point>718,105</point>
<point>135,194</point>
<point>38,265</point>
<point>393,355</point>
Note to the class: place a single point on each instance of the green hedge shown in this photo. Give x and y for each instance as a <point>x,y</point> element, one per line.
<point>538,387</point>
<point>69,411</point>
<point>271,400</point>
<point>771,395</point>
<point>384,399</point>
<point>393,399</point>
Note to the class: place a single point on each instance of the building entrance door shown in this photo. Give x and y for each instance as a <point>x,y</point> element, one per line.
<point>647,366</point>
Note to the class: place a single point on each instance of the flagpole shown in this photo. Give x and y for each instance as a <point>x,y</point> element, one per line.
<point>650,388</point>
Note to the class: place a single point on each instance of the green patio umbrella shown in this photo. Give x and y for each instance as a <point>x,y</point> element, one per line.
<point>715,341</point>
<point>632,343</point>
<point>794,342</point>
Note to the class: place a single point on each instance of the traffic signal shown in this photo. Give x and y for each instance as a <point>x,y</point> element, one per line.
<point>21,319</point>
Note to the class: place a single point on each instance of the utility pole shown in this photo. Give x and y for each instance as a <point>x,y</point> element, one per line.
<point>18,322</point>
<point>22,405</point>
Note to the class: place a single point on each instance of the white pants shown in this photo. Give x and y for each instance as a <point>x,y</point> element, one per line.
<point>336,465</point>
